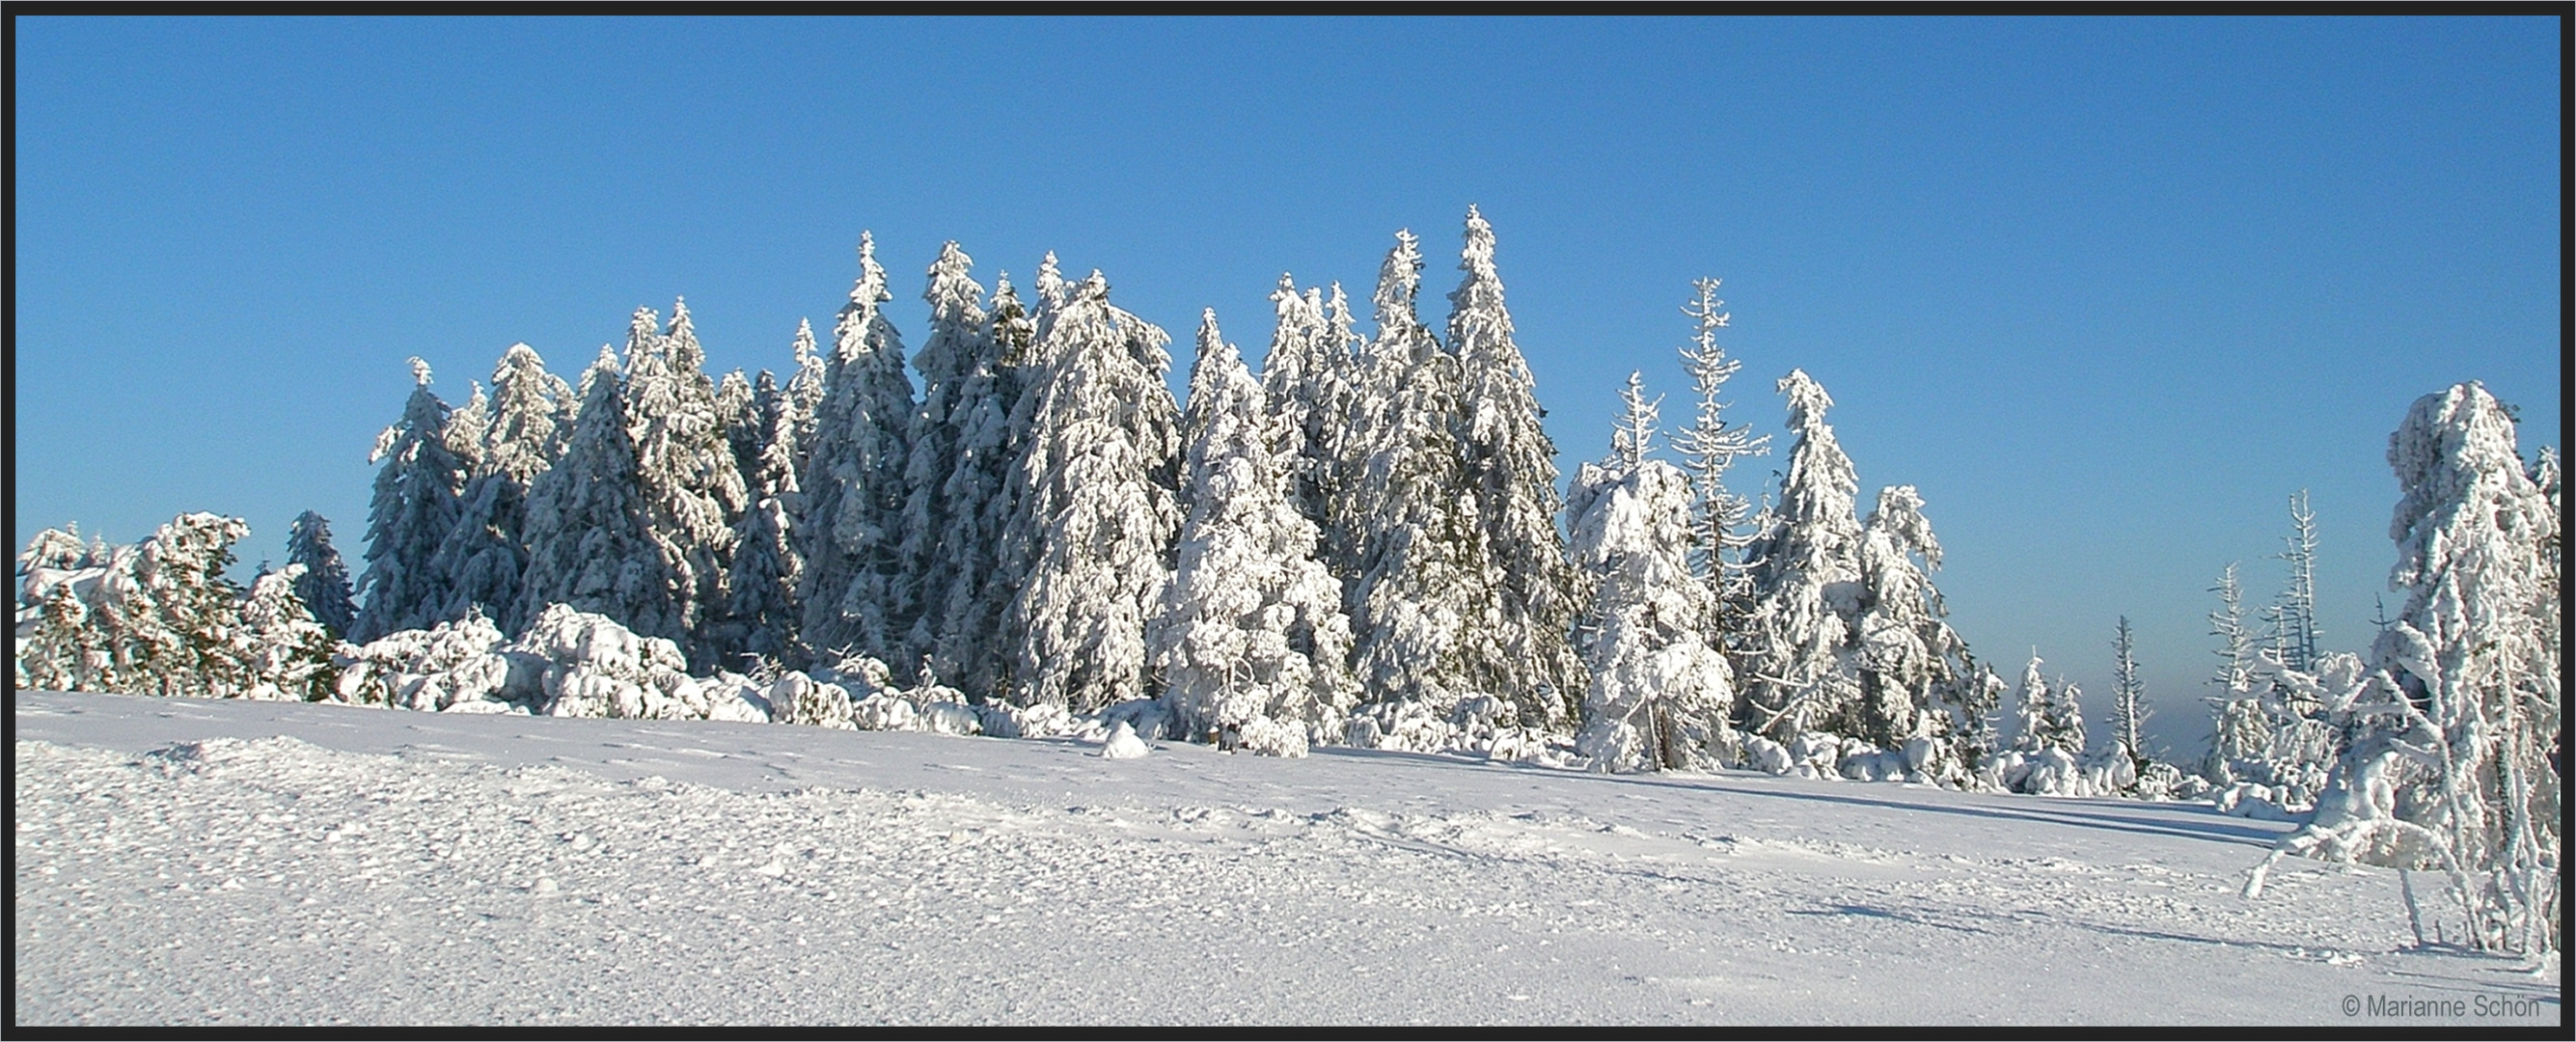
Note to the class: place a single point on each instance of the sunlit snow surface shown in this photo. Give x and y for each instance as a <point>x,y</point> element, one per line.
<point>193,862</point>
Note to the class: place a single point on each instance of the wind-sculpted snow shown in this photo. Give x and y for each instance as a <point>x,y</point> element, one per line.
<point>192,862</point>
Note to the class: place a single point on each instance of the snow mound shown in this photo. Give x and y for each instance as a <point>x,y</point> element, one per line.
<point>1123,744</point>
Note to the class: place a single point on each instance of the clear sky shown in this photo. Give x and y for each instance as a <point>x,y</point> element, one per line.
<point>2107,292</point>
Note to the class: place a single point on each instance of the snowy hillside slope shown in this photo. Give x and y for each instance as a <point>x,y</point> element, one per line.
<point>184,861</point>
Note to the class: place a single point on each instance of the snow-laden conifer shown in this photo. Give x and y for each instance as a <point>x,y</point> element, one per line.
<point>485,554</point>
<point>1921,691</point>
<point>761,619</point>
<point>414,508</point>
<point>2451,762</point>
<point>804,395</point>
<point>1304,385</point>
<point>948,361</point>
<point>1511,468</point>
<point>1423,576</point>
<point>1659,696</point>
<point>2031,706</point>
<point>975,593</point>
<point>2293,617</point>
<point>588,541</point>
<point>1094,507</point>
<point>692,486</point>
<point>1804,575</point>
<point>1250,633</point>
<point>323,585</point>
<point>856,597</point>
<point>284,652</point>
<point>1709,446</point>
<point>2129,711</point>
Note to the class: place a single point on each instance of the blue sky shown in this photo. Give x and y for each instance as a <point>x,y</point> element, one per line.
<point>2107,292</point>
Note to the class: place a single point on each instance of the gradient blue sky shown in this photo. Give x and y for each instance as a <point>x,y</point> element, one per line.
<point>2107,292</point>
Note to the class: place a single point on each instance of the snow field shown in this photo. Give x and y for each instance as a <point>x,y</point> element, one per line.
<point>435,868</point>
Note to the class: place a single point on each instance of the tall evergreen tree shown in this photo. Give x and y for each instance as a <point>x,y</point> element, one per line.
<point>2128,696</point>
<point>1659,695</point>
<point>1511,469</point>
<point>323,585</point>
<point>1095,508</point>
<point>414,509</point>
<point>692,486</point>
<point>589,544</point>
<point>1917,679</point>
<point>2454,760</point>
<point>2294,615</point>
<point>856,598</point>
<point>1250,634</point>
<point>971,655</point>
<point>1801,569</point>
<point>761,619</point>
<point>1709,447</point>
<point>485,554</point>
<point>1423,584</point>
<point>948,361</point>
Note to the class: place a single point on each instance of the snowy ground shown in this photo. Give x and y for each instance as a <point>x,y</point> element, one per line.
<point>198,862</point>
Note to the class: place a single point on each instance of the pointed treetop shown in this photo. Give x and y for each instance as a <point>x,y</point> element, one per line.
<point>1634,436</point>
<point>804,341</point>
<point>1807,400</point>
<point>1050,282</point>
<point>1478,255</point>
<point>871,287</point>
<point>419,372</point>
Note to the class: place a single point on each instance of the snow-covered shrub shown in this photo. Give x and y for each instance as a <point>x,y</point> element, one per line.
<point>595,667</point>
<point>1767,756</point>
<point>884,712</point>
<point>795,698</point>
<point>948,717</point>
<point>736,698</point>
<point>2052,772</point>
<point>1044,720</point>
<point>437,669</point>
<point>1270,737</point>
<point>1407,726</point>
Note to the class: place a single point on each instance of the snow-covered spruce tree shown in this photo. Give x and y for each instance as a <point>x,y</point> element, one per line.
<point>2293,617</point>
<point>746,428</point>
<point>323,585</point>
<point>2062,723</point>
<point>2241,730</point>
<point>1921,692</point>
<point>73,605</point>
<point>1379,367</point>
<point>760,618</point>
<point>414,509</point>
<point>1804,572</point>
<point>2128,697</point>
<point>2451,760</point>
<point>692,486</point>
<point>1660,696</point>
<point>1708,447</point>
<point>1423,575</point>
<point>588,541</point>
<point>804,395</point>
<point>1250,639</point>
<point>284,652</point>
<point>1511,468</point>
<point>947,361</point>
<point>1304,387</point>
<point>2031,708</point>
<point>976,594</point>
<point>857,599</point>
<point>1094,506</point>
<point>485,554</point>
